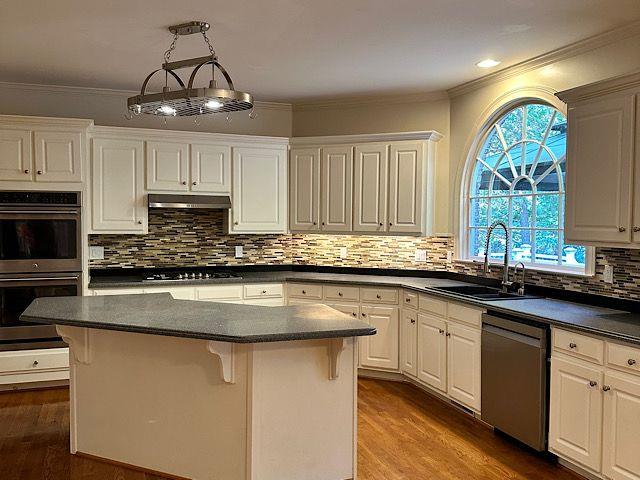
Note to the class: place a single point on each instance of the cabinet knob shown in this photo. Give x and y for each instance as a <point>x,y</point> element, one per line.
<point>315,223</point>
<point>35,265</point>
<point>322,223</point>
<point>364,314</point>
<point>339,294</point>
<point>413,321</point>
<point>264,291</point>
<point>235,223</point>
<point>631,362</point>
<point>448,334</point>
<point>606,388</point>
<point>139,222</point>
<point>194,183</point>
<point>572,345</point>
<point>636,229</point>
<point>354,314</point>
<point>380,223</point>
<point>622,229</point>
<point>407,300</point>
<point>378,296</point>
<point>35,363</point>
<point>441,331</point>
<point>390,224</point>
<point>593,383</point>
<point>184,182</point>
<point>26,171</point>
<point>39,172</point>
<point>304,292</point>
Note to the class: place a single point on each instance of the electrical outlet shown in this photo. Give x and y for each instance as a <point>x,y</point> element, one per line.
<point>608,274</point>
<point>421,255</point>
<point>239,251</point>
<point>96,253</point>
<point>343,252</point>
<point>449,256</point>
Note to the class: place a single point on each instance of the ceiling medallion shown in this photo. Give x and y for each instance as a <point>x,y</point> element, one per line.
<point>188,100</point>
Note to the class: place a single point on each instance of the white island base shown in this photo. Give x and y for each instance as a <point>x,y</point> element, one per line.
<point>211,410</point>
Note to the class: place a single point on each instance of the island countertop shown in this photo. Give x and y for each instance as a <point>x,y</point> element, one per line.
<point>160,314</point>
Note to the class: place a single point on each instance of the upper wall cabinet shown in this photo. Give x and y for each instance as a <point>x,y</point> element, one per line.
<point>368,183</point>
<point>45,151</point>
<point>259,193</point>
<point>168,166</point>
<point>210,168</point>
<point>603,163</point>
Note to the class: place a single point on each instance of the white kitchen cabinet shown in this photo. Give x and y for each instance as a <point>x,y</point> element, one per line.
<point>16,158</point>
<point>407,187</point>
<point>118,195</point>
<point>210,168</point>
<point>179,293</point>
<point>432,351</point>
<point>371,166</point>
<point>575,411</point>
<point>167,166</point>
<point>621,421</point>
<point>380,350</point>
<point>58,156</point>
<point>259,194</point>
<point>353,310</point>
<point>463,364</point>
<point>304,189</point>
<point>337,189</point>
<point>409,341</point>
<point>28,366</point>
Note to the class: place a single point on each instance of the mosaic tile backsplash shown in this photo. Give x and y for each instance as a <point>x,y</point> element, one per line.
<point>188,238</point>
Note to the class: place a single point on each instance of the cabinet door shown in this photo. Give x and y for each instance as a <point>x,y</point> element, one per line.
<point>432,351</point>
<point>118,203</point>
<point>353,310</point>
<point>259,190</point>
<point>337,182</point>
<point>380,350</point>
<point>406,187</point>
<point>370,188</point>
<point>58,156</point>
<point>304,189</point>
<point>463,364</point>
<point>575,411</point>
<point>599,170</point>
<point>409,341</point>
<point>16,160</point>
<point>621,426</point>
<point>167,166</point>
<point>210,168</point>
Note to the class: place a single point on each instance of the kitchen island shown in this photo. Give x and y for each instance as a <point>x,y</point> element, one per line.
<point>210,391</point>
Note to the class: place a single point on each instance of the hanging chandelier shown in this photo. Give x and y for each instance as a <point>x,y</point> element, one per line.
<point>188,100</point>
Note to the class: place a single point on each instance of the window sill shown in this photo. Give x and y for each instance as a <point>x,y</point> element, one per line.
<point>533,268</point>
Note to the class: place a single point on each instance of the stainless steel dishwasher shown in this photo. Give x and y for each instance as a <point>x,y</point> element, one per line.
<point>515,378</point>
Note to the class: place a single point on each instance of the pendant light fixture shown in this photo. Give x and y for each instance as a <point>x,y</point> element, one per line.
<point>187,100</point>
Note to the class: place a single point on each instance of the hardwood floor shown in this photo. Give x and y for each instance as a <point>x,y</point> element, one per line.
<point>403,434</point>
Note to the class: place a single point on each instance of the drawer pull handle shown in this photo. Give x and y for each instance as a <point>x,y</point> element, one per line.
<point>378,297</point>
<point>413,321</point>
<point>606,388</point>
<point>593,383</point>
<point>631,362</point>
<point>339,294</point>
<point>35,363</point>
<point>572,345</point>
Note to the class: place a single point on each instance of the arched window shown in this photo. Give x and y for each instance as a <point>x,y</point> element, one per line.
<point>518,178</point>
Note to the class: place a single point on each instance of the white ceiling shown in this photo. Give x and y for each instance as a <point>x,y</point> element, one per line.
<point>294,50</point>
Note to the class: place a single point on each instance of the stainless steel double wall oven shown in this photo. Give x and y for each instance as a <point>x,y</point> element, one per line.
<point>40,256</point>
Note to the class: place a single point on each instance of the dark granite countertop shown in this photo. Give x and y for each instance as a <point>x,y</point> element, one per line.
<point>612,323</point>
<point>160,314</point>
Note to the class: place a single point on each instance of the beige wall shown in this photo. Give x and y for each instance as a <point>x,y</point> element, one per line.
<point>397,114</point>
<point>108,107</point>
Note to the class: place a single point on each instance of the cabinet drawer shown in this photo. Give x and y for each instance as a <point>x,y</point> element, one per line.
<point>409,299</point>
<point>624,357</point>
<point>263,290</point>
<point>432,305</point>
<point>351,310</point>
<point>219,293</point>
<point>302,290</point>
<point>34,360</point>
<point>341,293</point>
<point>578,345</point>
<point>468,315</point>
<point>379,295</point>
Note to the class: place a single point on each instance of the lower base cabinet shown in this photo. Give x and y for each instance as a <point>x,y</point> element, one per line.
<point>380,350</point>
<point>463,364</point>
<point>432,351</point>
<point>409,341</point>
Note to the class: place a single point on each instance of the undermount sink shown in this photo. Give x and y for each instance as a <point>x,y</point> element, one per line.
<point>481,292</point>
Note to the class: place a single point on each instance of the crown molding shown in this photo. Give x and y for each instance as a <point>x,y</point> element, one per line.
<point>602,87</point>
<point>11,121</point>
<point>350,102</point>
<point>83,91</point>
<point>319,141</point>
<point>571,50</point>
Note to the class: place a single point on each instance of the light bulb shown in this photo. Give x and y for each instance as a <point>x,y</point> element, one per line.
<point>488,63</point>
<point>167,110</point>
<point>213,104</point>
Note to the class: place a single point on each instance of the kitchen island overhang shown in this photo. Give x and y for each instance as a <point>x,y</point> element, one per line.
<point>210,390</point>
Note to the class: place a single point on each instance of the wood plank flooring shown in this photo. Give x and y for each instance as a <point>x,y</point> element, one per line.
<point>403,434</point>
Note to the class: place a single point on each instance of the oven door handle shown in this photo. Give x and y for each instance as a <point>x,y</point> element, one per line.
<point>29,212</point>
<point>37,279</point>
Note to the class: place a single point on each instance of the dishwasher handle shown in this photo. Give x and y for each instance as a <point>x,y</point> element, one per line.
<point>514,336</point>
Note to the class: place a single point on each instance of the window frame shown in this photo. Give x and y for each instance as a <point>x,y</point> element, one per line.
<point>475,149</point>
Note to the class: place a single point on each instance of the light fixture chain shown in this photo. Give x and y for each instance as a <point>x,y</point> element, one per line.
<point>206,40</point>
<point>172,47</point>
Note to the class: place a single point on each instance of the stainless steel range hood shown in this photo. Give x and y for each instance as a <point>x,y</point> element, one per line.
<point>189,201</point>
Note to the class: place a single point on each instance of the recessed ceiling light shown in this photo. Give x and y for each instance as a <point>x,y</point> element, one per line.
<point>488,63</point>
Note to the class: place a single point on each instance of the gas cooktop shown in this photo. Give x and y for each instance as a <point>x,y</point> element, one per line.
<point>190,276</point>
